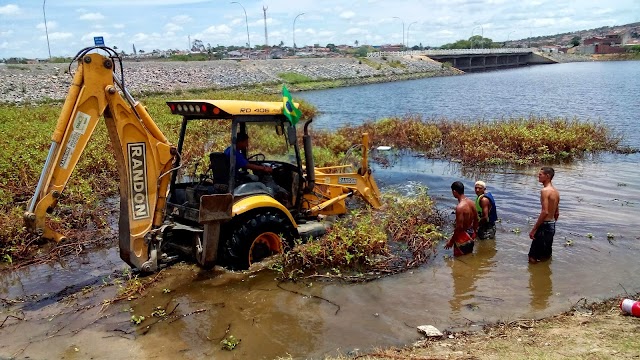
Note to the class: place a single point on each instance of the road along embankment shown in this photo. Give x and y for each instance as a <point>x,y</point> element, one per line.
<point>40,82</point>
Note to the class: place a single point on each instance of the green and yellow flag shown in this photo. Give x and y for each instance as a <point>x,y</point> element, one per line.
<point>288,108</point>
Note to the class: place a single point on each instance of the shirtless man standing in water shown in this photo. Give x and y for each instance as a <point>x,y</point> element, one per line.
<point>545,228</point>
<point>466,222</point>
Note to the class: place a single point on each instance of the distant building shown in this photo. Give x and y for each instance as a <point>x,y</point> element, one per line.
<point>550,49</point>
<point>611,43</point>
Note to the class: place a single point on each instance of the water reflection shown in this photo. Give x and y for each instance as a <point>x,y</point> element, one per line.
<point>466,270</point>
<point>540,285</point>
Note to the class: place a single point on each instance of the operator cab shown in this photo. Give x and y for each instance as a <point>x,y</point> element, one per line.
<point>205,169</point>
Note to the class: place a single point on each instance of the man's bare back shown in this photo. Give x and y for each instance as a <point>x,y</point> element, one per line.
<point>465,214</point>
<point>550,195</point>
<point>466,222</point>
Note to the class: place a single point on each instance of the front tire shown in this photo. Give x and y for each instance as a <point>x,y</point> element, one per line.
<point>258,236</point>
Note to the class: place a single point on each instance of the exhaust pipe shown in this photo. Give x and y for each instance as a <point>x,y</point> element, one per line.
<point>308,157</point>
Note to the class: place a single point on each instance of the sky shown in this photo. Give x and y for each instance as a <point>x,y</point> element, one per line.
<point>170,24</point>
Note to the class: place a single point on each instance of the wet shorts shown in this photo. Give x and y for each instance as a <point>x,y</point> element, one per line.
<point>542,241</point>
<point>463,243</point>
<point>487,231</point>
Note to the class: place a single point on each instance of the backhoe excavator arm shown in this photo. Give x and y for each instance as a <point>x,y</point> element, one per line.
<point>143,154</point>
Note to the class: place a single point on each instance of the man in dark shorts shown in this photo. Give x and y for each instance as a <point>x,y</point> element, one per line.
<point>464,234</point>
<point>545,228</point>
<point>487,213</point>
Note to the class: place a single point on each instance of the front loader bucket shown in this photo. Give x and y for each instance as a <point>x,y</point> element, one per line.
<point>214,210</point>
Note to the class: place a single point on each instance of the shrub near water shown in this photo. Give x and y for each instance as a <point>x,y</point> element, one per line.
<point>524,140</point>
<point>368,243</point>
<point>516,140</point>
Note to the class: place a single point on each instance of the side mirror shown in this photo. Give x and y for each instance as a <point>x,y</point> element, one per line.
<point>279,129</point>
<point>291,134</point>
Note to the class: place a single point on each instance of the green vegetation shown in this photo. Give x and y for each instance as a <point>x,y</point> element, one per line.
<point>373,64</point>
<point>82,213</point>
<point>505,141</point>
<point>59,60</point>
<point>367,243</point>
<point>397,64</point>
<point>189,57</point>
<point>474,42</point>
<point>294,78</point>
<point>634,49</point>
<point>229,343</point>
<point>17,67</point>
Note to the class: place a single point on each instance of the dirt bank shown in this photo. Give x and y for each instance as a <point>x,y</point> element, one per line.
<point>594,331</point>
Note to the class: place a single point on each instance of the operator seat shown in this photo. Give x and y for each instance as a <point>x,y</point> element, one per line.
<point>219,164</point>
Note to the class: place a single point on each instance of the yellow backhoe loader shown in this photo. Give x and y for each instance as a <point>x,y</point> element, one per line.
<point>221,216</point>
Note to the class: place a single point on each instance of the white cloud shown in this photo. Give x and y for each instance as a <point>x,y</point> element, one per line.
<point>217,29</point>
<point>118,26</point>
<point>181,19</point>
<point>6,33</point>
<point>91,16</point>
<point>347,15</point>
<point>355,31</point>
<point>260,22</point>
<point>9,9</point>
<point>171,27</point>
<point>326,33</point>
<point>140,37</point>
<point>57,36</point>
<point>50,25</point>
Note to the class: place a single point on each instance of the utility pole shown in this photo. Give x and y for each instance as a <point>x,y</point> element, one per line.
<point>45,27</point>
<point>246,20</point>
<point>266,38</point>
<point>189,45</point>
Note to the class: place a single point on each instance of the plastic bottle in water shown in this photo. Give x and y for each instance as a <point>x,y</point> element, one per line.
<point>630,307</point>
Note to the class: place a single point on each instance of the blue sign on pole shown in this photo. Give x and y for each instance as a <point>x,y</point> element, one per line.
<point>98,40</point>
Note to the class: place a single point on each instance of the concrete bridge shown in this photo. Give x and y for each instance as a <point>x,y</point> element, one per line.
<point>476,59</point>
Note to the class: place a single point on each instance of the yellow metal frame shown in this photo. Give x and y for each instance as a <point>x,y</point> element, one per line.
<point>144,157</point>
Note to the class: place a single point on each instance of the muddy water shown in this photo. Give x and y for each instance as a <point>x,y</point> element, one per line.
<point>313,319</point>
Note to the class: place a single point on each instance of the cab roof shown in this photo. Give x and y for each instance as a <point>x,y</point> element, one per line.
<point>221,109</point>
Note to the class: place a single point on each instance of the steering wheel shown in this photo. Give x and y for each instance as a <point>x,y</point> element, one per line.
<point>257,157</point>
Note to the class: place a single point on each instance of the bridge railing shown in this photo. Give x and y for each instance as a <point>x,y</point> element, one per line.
<point>451,52</point>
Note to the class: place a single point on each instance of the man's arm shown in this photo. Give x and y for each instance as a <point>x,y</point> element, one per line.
<point>459,225</point>
<point>476,222</point>
<point>258,167</point>
<point>242,162</point>
<point>557,213</point>
<point>485,205</point>
<point>544,212</point>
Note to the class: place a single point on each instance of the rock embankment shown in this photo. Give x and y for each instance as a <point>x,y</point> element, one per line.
<point>38,82</point>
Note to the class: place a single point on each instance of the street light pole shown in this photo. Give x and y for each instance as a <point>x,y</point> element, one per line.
<point>409,27</point>
<point>246,21</point>
<point>481,34</point>
<point>294,33</point>
<point>395,17</point>
<point>45,27</point>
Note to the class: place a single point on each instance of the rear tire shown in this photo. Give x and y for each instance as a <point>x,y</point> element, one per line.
<point>256,237</point>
